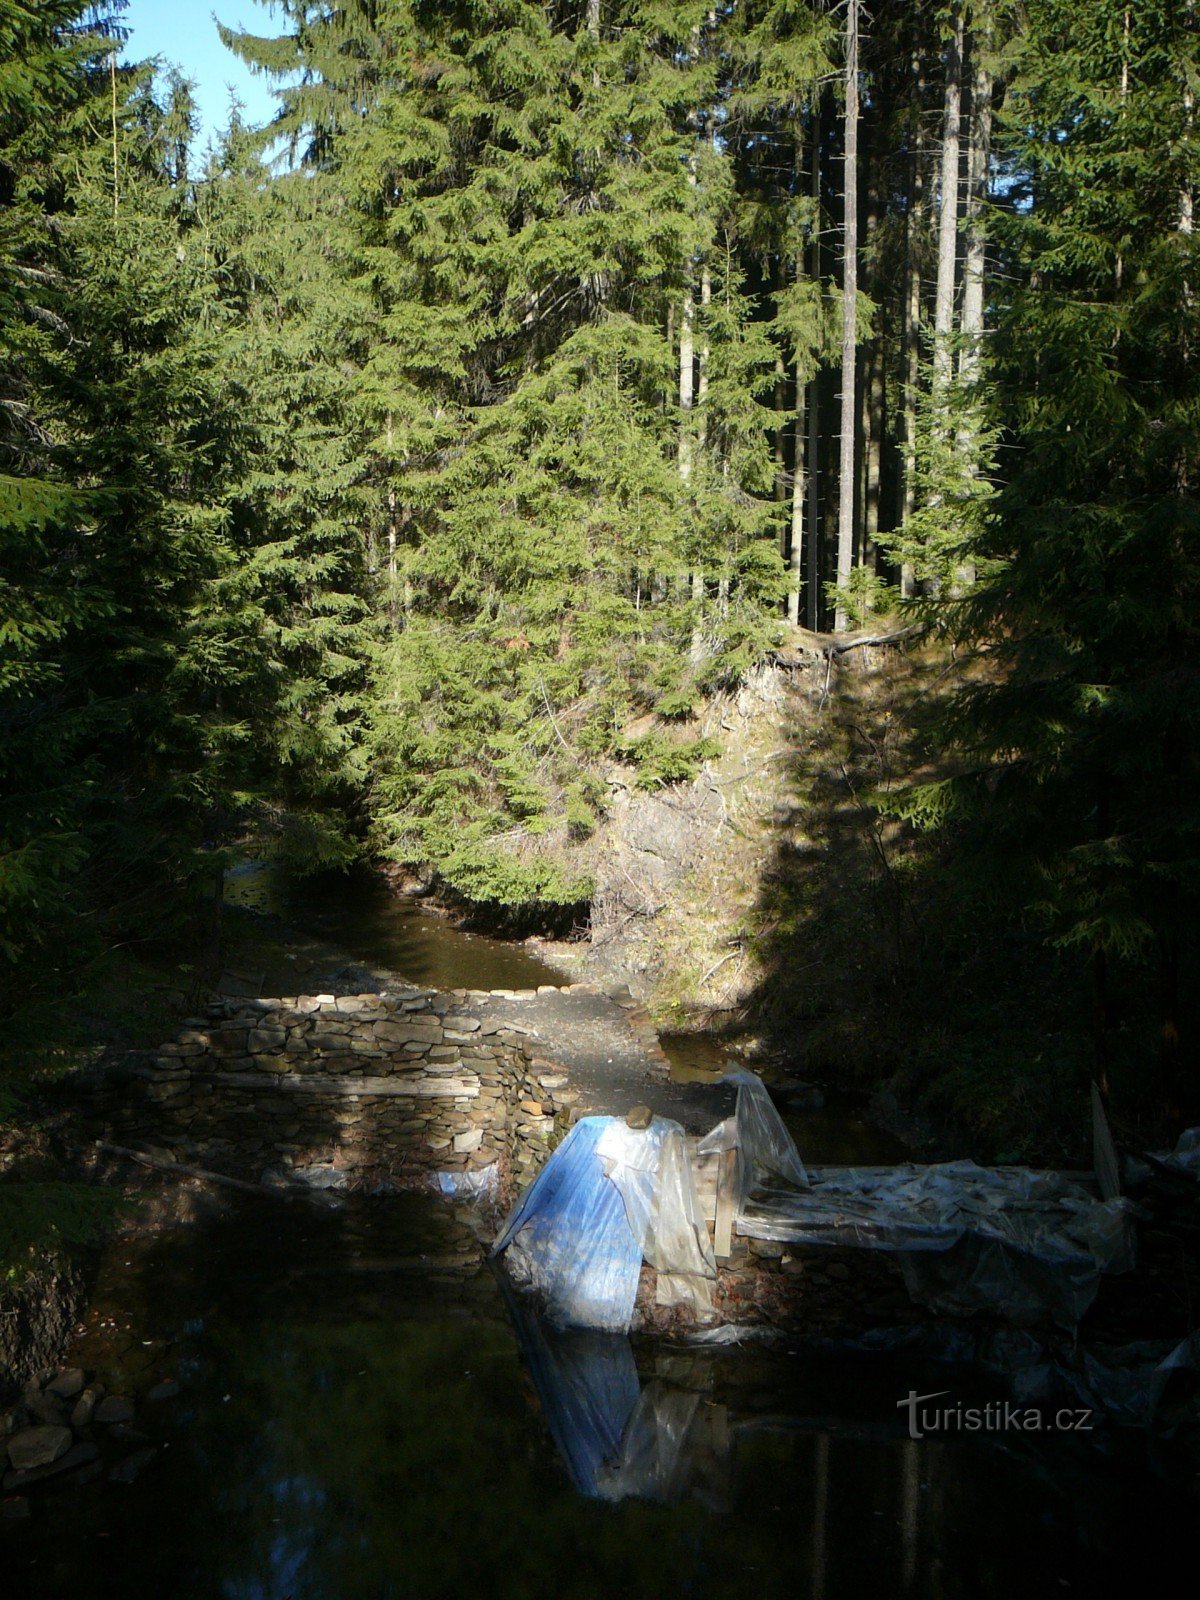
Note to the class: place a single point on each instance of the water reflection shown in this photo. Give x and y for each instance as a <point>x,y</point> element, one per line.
<point>357,912</point>
<point>359,1419</point>
<point>619,1439</point>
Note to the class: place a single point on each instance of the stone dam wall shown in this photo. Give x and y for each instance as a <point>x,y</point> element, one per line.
<point>372,1091</point>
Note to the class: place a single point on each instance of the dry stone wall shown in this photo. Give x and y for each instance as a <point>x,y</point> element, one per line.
<point>373,1090</point>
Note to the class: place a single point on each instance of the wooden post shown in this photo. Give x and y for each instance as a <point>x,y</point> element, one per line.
<point>726,1198</point>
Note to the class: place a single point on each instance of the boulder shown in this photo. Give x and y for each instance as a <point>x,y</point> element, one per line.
<point>115,1408</point>
<point>38,1447</point>
<point>67,1384</point>
<point>85,1406</point>
<point>79,1455</point>
<point>47,1408</point>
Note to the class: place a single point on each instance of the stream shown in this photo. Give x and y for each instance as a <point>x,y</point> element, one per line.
<point>362,1414</point>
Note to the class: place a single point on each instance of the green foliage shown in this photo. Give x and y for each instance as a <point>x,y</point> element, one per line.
<point>661,761</point>
<point>945,541</point>
<point>1076,741</point>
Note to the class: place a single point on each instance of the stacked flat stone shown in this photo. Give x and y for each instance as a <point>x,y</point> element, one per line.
<point>392,1087</point>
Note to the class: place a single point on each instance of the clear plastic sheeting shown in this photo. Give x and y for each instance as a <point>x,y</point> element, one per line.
<point>609,1197</point>
<point>757,1131</point>
<point>1024,1242</point>
<point>1027,1243</point>
<point>476,1183</point>
<point>1186,1155</point>
<point>651,1168</point>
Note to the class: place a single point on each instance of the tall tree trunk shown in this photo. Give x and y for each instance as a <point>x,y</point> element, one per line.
<point>979,141</point>
<point>914,224</point>
<point>871,403</point>
<point>874,425</point>
<point>687,380</point>
<point>846,455</point>
<point>978,151</point>
<point>593,28</point>
<point>943,304</point>
<point>813,547</point>
<point>697,649</point>
<point>796,545</point>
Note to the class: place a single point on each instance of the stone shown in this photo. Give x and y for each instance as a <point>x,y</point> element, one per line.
<point>167,1390</point>
<point>766,1249</point>
<point>38,1447</point>
<point>262,1039</point>
<point>464,1143</point>
<point>461,1024</point>
<point>77,1456</point>
<point>46,1408</point>
<point>115,1408</point>
<point>86,1405</point>
<point>67,1384</point>
<point>638,1116</point>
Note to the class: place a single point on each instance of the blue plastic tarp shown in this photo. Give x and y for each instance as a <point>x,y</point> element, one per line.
<point>568,1239</point>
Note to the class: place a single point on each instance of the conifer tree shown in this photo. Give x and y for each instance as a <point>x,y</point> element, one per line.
<point>1080,741</point>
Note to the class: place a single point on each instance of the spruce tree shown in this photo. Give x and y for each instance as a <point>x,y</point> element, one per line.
<point>1080,738</point>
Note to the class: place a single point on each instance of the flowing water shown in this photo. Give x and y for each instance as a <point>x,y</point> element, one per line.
<point>363,1415</point>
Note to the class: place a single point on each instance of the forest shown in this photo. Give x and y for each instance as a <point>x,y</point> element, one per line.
<point>372,480</point>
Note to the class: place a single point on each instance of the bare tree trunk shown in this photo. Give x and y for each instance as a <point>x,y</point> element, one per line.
<point>943,304</point>
<point>846,468</point>
<point>697,648</point>
<point>874,422</point>
<point>978,151</point>
<point>914,239</point>
<point>979,142</point>
<point>1187,191</point>
<point>687,381</point>
<point>112,79</point>
<point>814,409</point>
<point>796,546</point>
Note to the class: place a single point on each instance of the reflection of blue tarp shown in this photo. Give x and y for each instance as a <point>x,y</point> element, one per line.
<point>620,1440</point>
<point>588,1386</point>
<point>569,1239</point>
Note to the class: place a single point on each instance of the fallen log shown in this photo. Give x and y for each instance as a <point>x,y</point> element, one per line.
<point>183,1169</point>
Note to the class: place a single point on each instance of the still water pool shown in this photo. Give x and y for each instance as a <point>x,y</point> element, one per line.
<point>360,1417</point>
<point>358,913</point>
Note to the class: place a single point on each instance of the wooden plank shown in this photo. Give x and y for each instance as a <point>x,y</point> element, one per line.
<point>1104,1151</point>
<point>726,1189</point>
<point>418,1088</point>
